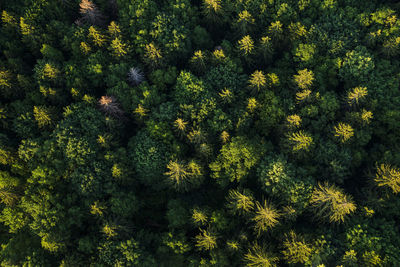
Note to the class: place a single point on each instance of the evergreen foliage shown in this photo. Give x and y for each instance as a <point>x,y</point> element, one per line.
<point>199,133</point>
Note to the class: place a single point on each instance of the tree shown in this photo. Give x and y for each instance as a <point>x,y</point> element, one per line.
<point>296,250</point>
<point>330,203</point>
<point>153,55</point>
<point>184,177</point>
<point>110,106</point>
<point>118,48</point>
<point>344,132</point>
<point>235,160</point>
<point>257,80</point>
<point>258,256</point>
<point>240,203</point>
<point>90,14</point>
<point>213,10</point>
<point>135,76</point>
<point>300,141</point>
<point>42,116</point>
<point>266,217</point>
<point>304,78</point>
<point>206,240</point>
<point>246,45</point>
<point>388,177</point>
<point>356,95</point>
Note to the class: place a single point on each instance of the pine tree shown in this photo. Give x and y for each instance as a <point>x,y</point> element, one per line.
<point>300,141</point>
<point>42,116</point>
<point>246,45</point>
<point>180,125</point>
<point>183,176</point>
<point>240,203</point>
<point>266,217</point>
<point>224,137</point>
<point>275,30</point>
<point>257,80</point>
<point>198,60</point>
<point>356,95</point>
<point>266,47</point>
<point>257,256</point>
<point>344,132</point>
<point>293,121</point>
<point>118,48</point>
<point>304,78</point>
<point>212,9</point>
<point>226,95</point>
<point>110,106</point>
<point>90,14</point>
<point>206,240</point>
<point>153,55</point>
<point>303,95</point>
<point>135,76</point>
<point>244,22</point>
<point>388,177</point>
<point>114,29</point>
<point>296,250</point>
<point>330,203</point>
<point>97,38</point>
<point>199,217</point>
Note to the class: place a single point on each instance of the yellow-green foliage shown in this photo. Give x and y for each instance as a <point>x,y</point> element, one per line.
<point>388,177</point>
<point>344,132</point>
<point>153,54</point>
<point>304,78</point>
<point>296,250</point>
<point>257,80</point>
<point>258,256</point>
<point>206,240</point>
<point>96,37</point>
<point>199,216</point>
<point>119,49</point>
<point>240,203</point>
<point>246,45</point>
<point>42,116</point>
<point>266,217</point>
<point>300,141</point>
<point>331,203</point>
<point>356,95</point>
<point>293,120</point>
<point>303,95</point>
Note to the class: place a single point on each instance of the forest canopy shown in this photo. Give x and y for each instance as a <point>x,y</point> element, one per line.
<point>199,133</point>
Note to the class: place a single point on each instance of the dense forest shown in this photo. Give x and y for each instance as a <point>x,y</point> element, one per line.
<point>199,133</point>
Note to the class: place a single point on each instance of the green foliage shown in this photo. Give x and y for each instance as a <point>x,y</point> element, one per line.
<point>199,133</point>
<point>280,180</point>
<point>149,157</point>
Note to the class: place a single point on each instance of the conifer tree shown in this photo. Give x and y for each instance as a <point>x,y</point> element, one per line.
<point>90,14</point>
<point>388,177</point>
<point>42,116</point>
<point>206,240</point>
<point>246,45</point>
<point>258,256</point>
<point>110,106</point>
<point>296,250</point>
<point>304,79</point>
<point>266,217</point>
<point>343,132</point>
<point>257,80</point>
<point>240,203</point>
<point>331,204</point>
